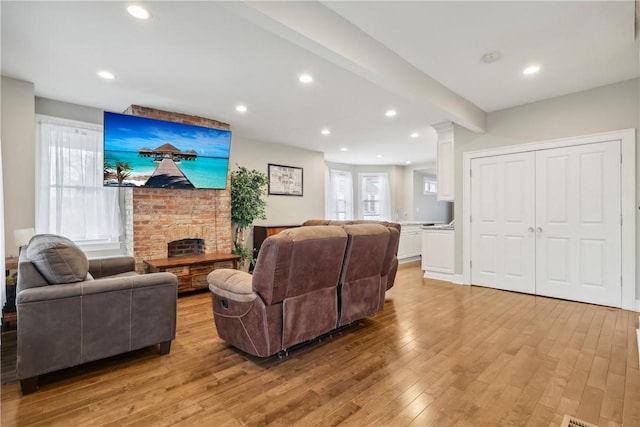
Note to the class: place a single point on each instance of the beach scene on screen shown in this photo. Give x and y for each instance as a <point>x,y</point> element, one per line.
<point>144,152</point>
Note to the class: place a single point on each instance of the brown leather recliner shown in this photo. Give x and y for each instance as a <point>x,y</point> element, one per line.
<point>361,286</point>
<point>307,282</point>
<point>292,296</point>
<point>390,265</point>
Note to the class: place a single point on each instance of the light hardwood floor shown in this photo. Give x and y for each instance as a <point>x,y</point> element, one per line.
<point>438,355</point>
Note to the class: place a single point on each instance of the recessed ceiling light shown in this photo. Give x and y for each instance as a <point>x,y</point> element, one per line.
<point>490,57</point>
<point>343,149</point>
<point>379,156</point>
<point>415,135</point>
<point>408,162</point>
<point>532,69</point>
<point>241,108</point>
<point>107,75</point>
<point>138,11</point>
<point>305,78</point>
<point>325,131</point>
<point>390,113</point>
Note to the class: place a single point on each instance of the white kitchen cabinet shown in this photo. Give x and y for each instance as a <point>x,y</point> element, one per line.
<point>438,253</point>
<point>409,247</point>
<point>445,161</point>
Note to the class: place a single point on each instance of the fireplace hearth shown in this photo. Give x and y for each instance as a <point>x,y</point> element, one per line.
<point>192,270</point>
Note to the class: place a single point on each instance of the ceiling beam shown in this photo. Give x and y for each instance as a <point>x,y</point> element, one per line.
<point>314,27</point>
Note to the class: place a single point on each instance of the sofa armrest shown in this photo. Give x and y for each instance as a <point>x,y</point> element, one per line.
<point>235,285</point>
<point>90,287</point>
<point>109,266</point>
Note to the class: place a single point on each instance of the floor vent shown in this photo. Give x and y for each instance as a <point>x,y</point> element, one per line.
<point>569,421</point>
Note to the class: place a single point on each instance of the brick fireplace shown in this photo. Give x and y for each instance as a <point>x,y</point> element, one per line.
<point>185,247</point>
<point>155,217</point>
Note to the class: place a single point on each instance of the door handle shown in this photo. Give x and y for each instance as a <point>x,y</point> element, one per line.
<point>531,230</point>
<point>539,230</point>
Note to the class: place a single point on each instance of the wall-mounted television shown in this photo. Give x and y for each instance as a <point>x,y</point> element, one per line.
<point>144,152</point>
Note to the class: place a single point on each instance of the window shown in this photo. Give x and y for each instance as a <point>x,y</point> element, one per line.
<point>374,196</point>
<point>340,195</point>
<point>70,198</point>
<point>430,185</point>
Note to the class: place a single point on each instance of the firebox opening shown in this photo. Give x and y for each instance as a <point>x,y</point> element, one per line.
<point>185,247</point>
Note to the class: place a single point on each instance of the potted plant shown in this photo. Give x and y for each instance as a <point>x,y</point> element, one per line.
<point>248,188</point>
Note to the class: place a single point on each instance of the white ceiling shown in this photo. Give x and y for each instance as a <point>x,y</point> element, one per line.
<point>421,58</point>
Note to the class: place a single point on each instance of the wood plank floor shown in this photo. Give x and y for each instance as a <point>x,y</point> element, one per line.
<point>438,355</point>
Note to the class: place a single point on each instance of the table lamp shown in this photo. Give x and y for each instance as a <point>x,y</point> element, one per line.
<point>22,236</point>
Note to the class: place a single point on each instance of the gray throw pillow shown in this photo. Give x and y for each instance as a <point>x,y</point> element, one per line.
<point>58,259</point>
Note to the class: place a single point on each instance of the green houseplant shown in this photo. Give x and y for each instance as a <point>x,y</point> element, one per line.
<point>248,188</point>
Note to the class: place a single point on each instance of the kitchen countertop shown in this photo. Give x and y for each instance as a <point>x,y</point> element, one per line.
<point>438,227</point>
<point>424,223</point>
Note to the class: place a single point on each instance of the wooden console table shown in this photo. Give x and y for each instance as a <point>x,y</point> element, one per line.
<point>261,232</point>
<point>9,315</point>
<point>192,270</point>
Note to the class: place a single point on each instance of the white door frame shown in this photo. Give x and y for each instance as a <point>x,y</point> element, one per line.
<point>627,138</point>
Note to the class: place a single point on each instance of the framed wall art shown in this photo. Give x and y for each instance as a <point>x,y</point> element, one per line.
<point>285,180</point>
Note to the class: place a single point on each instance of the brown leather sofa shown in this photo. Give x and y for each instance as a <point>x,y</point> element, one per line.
<point>72,310</point>
<point>307,281</point>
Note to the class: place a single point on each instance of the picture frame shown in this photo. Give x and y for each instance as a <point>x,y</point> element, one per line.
<point>285,180</point>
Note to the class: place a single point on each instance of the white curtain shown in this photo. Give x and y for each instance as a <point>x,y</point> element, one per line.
<point>340,200</point>
<point>3,288</point>
<point>385,197</point>
<point>328,194</point>
<point>70,198</point>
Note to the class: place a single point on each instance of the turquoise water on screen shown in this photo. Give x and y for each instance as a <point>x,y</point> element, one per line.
<point>204,172</point>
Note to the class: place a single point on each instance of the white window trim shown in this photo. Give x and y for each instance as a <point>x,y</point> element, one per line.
<point>433,185</point>
<point>358,202</point>
<point>91,247</point>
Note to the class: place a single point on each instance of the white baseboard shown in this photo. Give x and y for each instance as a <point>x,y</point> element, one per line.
<point>458,279</point>
<point>448,277</point>
<point>407,259</point>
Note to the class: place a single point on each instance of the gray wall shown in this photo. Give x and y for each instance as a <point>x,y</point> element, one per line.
<point>408,187</point>
<point>607,108</point>
<point>427,207</point>
<point>251,154</point>
<point>284,210</point>
<point>82,113</point>
<point>603,109</point>
<point>19,106</point>
<point>17,121</point>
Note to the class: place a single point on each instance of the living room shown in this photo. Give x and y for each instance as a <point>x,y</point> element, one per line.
<point>596,109</point>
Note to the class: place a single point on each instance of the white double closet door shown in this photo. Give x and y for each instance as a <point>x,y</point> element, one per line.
<point>547,222</point>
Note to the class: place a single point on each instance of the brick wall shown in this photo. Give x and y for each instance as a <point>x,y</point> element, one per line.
<point>160,216</point>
